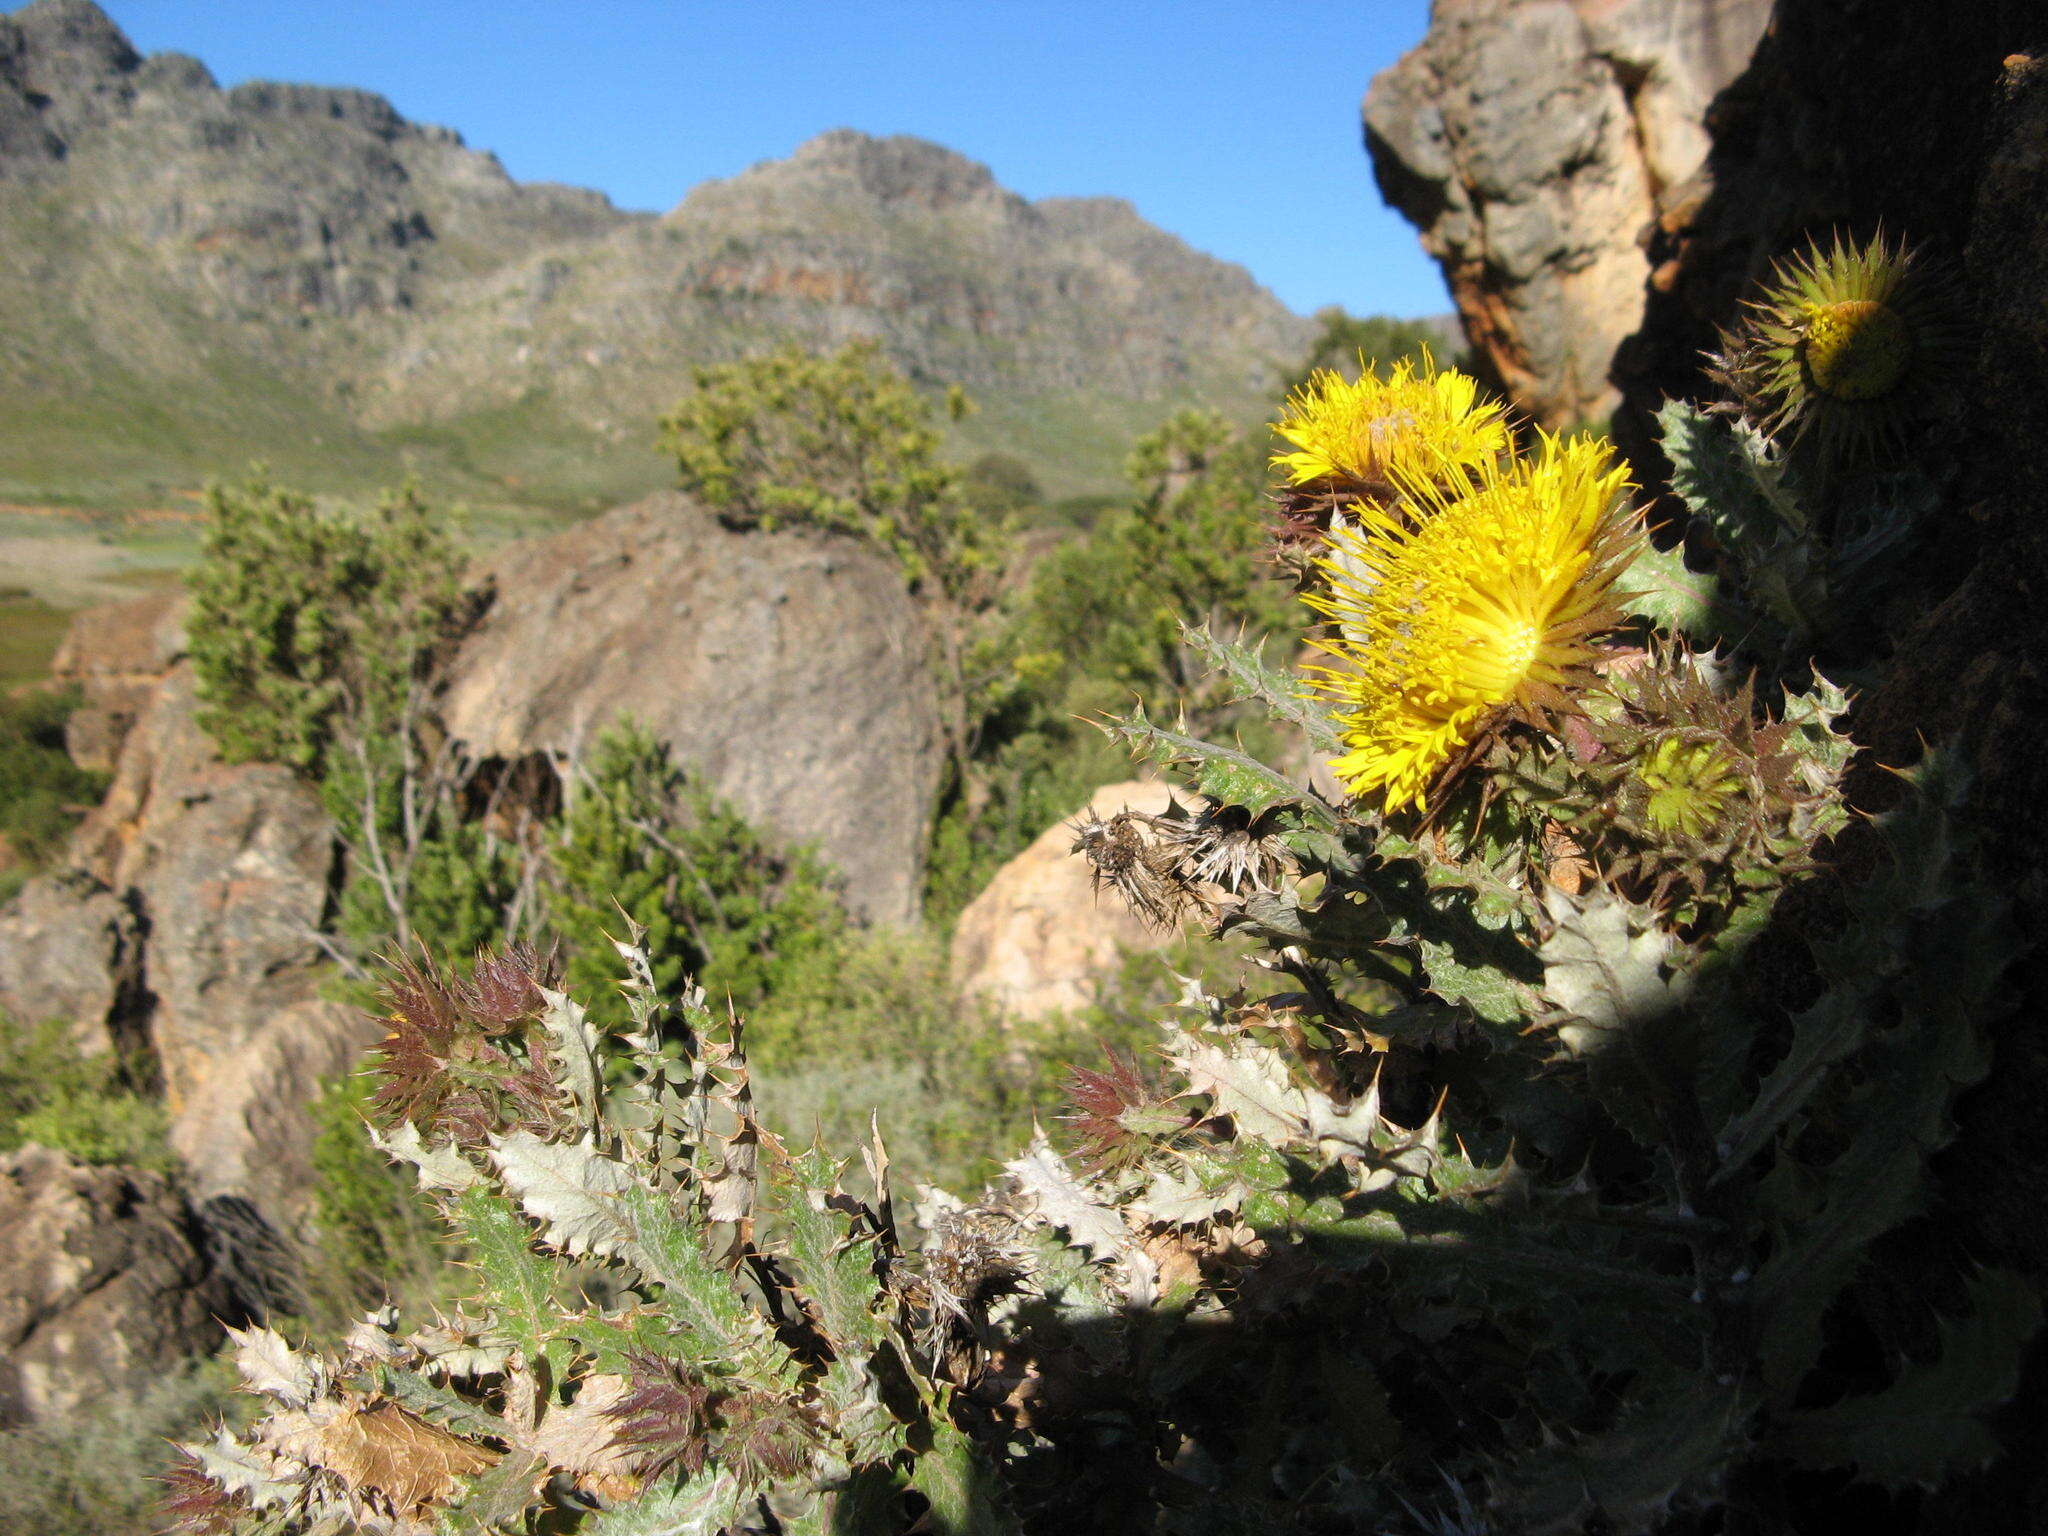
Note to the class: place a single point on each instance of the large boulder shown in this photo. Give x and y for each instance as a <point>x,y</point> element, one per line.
<point>1536,144</point>
<point>104,1284</point>
<point>1040,938</point>
<point>791,669</point>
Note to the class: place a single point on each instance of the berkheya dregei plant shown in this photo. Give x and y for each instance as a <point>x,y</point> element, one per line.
<point>1535,1176</point>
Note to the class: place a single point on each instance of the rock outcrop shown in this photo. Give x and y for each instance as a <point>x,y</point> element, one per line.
<point>1040,938</point>
<point>104,1284</point>
<point>71,949</point>
<point>1537,145</point>
<point>186,926</point>
<point>116,655</point>
<point>790,669</point>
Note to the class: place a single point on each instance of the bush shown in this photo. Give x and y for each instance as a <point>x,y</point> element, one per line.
<point>840,441</point>
<point>42,791</point>
<point>1377,341</point>
<point>310,628</point>
<point>90,1107</point>
<point>643,843</point>
<point>1001,485</point>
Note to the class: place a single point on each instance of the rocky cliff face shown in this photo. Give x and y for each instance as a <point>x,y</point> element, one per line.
<point>299,273</point>
<point>1537,144</point>
<point>1930,121</point>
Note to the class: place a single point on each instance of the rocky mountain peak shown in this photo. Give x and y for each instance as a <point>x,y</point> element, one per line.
<point>888,175</point>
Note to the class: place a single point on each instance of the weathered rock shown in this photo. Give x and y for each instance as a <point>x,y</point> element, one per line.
<point>224,873</point>
<point>102,1284</point>
<point>1534,143</point>
<point>1040,938</point>
<point>116,654</point>
<point>70,949</point>
<point>790,669</point>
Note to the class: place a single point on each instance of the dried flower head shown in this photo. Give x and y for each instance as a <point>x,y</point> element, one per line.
<point>1371,436</point>
<point>1119,856</point>
<point>1485,600</point>
<point>1846,346</point>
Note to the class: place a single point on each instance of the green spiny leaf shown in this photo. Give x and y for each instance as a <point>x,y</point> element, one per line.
<point>1253,679</point>
<point>1224,773</point>
<point>1927,1425</point>
<point>519,1284</point>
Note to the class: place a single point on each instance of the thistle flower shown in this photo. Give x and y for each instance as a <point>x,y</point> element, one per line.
<point>1476,602</point>
<point>1695,796</point>
<point>1375,435</point>
<point>1845,347</point>
<point>1686,787</point>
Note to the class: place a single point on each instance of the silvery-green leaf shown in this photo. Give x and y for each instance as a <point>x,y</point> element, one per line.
<point>442,1167</point>
<point>1060,1200</point>
<point>272,1367</point>
<point>570,1189</point>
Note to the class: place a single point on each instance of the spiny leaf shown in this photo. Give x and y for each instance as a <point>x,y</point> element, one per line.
<point>1677,600</point>
<point>571,1189</point>
<point>436,1404</point>
<point>1667,1444</point>
<point>443,1167</point>
<point>405,1460</point>
<point>836,1267</point>
<point>1604,964</point>
<point>1224,773</point>
<point>1059,1199</point>
<point>1253,679</point>
<point>705,1505</point>
<point>572,1042</point>
<point>1248,1082</point>
<point>959,1483</point>
<point>1488,991</point>
<point>520,1284</point>
<point>1927,1425</point>
<point>272,1367</point>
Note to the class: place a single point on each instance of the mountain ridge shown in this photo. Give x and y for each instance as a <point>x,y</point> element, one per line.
<point>192,275</point>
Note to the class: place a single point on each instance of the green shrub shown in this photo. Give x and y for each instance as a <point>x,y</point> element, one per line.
<point>1000,485</point>
<point>840,441</point>
<point>310,628</point>
<point>642,842</point>
<point>1377,340</point>
<point>42,791</point>
<point>87,1106</point>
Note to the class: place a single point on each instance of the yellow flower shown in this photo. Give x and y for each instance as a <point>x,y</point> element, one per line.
<point>1846,346</point>
<point>1377,434</point>
<point>1467,603</point>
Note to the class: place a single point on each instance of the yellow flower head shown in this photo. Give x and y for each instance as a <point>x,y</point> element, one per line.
<point>1846,346</point>
<point>1468,602</point>
<point>1379,433</point>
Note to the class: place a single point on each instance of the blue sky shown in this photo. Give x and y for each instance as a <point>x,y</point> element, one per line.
<point>1233,125</point>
